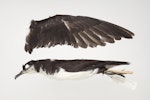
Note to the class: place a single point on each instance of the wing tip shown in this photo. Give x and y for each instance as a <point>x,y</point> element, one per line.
<point>125,63</point>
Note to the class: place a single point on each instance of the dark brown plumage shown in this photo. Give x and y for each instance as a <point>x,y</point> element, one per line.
<point>53,66</point>
<point>77,31</point>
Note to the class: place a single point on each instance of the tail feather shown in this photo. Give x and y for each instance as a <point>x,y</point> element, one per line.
<point>123,81</point>
<point>118,75</point>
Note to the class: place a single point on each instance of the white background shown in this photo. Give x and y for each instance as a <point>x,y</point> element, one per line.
<point>15,17</point>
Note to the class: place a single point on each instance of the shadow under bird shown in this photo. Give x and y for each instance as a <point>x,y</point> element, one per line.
<point>73,69</point>
<point>77,31</point>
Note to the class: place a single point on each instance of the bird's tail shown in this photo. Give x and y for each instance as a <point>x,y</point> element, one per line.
<point>119,75</point>
<point>123,81</point>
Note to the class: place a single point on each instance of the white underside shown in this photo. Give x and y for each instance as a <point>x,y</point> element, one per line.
<point>64,75</point>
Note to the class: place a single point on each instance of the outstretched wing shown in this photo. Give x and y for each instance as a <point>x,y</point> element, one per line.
<point>78,31</point>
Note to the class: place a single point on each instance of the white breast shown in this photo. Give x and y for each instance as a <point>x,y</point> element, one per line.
<point>64,75</point>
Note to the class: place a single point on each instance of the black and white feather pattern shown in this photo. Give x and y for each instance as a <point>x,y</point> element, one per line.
<point>77,69</point>
<point>77,31</point>
<point>54,66</point>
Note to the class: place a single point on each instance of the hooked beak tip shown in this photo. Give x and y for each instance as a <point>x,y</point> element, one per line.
<point>18,75</point>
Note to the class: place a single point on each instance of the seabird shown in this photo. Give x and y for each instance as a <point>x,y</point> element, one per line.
<point>72,69</point>
<point>77,31</point>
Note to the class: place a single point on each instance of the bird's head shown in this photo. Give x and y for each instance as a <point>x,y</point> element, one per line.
<point>27,68</point>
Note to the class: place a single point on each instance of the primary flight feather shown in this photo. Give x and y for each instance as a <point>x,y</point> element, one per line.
<point>77,31</point>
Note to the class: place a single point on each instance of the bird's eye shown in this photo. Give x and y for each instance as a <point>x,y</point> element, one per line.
<point>23,67</point>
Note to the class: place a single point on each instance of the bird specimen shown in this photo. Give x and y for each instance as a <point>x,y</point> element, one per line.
<point>72,69</point>
<point>76,31</point>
